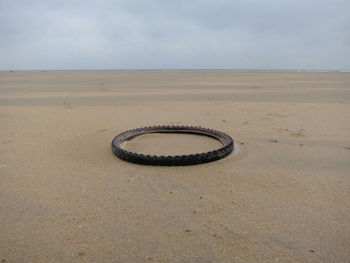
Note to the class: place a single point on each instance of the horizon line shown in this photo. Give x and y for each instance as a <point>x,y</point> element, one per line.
<point>178,69</point>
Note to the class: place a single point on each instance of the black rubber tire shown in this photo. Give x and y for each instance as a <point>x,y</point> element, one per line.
<point>172,160</point>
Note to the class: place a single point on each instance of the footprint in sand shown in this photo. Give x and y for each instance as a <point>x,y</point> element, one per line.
<point>313,108</point>
<point>103,130</point>
<point>67,104</point>
<point>37,134</point>
<point>6,142</point>
<point>298,133</point>
<point>280,129</point>
<point>277,115</point>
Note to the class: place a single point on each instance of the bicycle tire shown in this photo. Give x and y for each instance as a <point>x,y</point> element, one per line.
<point>172,160</point>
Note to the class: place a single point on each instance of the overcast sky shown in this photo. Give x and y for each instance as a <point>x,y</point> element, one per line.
<point>150,34</point>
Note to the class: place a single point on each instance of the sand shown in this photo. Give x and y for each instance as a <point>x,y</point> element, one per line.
<point>283,196</point>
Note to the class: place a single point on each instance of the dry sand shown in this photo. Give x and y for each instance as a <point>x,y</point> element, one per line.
<point>283,197</point>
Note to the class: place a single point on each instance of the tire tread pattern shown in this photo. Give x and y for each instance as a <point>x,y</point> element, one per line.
<point>172,160</point>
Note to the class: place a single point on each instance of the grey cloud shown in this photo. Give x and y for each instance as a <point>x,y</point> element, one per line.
<point>174,34</point>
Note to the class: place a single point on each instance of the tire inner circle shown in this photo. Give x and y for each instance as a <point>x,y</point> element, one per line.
<point>171,144</point>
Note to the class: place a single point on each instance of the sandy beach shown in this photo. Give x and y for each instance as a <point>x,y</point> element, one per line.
<point>282,196</point>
